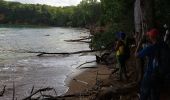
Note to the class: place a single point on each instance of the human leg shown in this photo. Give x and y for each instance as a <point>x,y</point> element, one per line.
<point>145,89</point>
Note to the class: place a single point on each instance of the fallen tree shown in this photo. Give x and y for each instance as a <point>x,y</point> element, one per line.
<point>76,40</point>
<point>38,91</point>
<point>65,53</point>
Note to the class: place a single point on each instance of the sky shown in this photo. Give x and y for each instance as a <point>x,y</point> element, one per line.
<point>50,2</point>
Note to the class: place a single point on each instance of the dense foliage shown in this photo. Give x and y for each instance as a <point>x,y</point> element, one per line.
<point>162,11</point>
<point>119,15</point>
<point>86,13</point>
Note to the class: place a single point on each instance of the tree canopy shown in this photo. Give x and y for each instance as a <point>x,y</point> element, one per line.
<point>119,15</point>
<point>86,13</point>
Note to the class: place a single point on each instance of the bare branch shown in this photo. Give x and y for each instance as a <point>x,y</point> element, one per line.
<point>40,90</point>
<point>3,91</point>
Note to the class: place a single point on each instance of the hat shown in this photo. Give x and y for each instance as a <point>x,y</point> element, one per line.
<point>121,35</point>
<point>153,33</point>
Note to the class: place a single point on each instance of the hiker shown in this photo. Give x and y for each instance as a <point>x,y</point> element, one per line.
<point>121,54</point>
<point>148,89</point>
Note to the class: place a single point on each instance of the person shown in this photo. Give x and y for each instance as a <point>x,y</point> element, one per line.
<point>147,89</point>
<point>120,49</point>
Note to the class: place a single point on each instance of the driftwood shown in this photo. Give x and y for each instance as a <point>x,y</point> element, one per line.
<point>13,97</point>
<point>40,90</point>
<point>76,40</point>
<point>80,81</point>
<point>32,90</point>
<point>66,53</point>
<point>3,91</point>
<point>86,63</point>
<point>49,97</point>
<point>80,40</point>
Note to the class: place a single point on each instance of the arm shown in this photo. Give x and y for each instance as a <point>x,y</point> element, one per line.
<point>144,52</point>
<point>117,45</point>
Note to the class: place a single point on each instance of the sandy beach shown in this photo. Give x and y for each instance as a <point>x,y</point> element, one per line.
<point>108,76</point>
<point>87,79</point>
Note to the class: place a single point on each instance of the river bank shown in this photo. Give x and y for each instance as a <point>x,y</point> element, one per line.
<point>87,79</point>
<point>102,83</point>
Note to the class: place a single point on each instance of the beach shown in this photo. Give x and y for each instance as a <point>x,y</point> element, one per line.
<point>106,77</point>
<point>87,79</point>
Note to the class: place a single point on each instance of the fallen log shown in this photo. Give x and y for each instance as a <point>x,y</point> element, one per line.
<point>49,97</point>
<point>76,40</point>
<point>73,95</point>
<point>88,67</point>
<point>86,63</point>
<point>66,53</point>
<point>13,96</point>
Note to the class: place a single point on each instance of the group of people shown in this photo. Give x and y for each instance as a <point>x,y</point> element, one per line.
<point>156,67</point>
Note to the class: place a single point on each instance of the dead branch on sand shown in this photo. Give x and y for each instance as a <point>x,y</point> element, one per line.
<point>86,63</point>
<point>40,90</point>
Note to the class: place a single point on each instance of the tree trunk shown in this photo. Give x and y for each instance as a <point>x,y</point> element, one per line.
<point>137,16</point>
<point>147,7</point>
<point>144,20</point>
<point>143,16</point>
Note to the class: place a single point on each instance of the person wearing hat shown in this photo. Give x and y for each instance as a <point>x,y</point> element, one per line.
<point>120,55</point>
<point>146,88</point>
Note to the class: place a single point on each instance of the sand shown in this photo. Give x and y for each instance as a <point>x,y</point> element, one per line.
<point>87,79</point>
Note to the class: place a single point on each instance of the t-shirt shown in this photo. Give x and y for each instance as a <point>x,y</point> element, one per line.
<point>149,52</point>
<point>120,51</point>
<point>121,46</point>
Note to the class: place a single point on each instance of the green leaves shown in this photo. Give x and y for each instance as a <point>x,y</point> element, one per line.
<point>86,13</point>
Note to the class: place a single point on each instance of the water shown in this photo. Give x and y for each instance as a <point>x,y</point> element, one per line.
<point>26,69</point>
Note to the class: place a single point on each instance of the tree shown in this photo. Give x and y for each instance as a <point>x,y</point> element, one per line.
<point>144,14</point>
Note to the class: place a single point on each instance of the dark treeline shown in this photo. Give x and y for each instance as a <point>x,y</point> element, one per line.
<point>86,13</point>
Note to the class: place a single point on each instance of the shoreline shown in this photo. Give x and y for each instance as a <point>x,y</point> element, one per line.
<point>86,79</point>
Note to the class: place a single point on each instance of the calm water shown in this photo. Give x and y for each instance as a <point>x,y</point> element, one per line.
<point>27,70</point>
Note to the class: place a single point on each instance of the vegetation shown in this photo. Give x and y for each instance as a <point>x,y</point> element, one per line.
<point>119,16</point>
<point>86,13</point>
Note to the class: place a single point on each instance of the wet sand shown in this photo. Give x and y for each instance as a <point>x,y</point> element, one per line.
<point>87,79</point>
